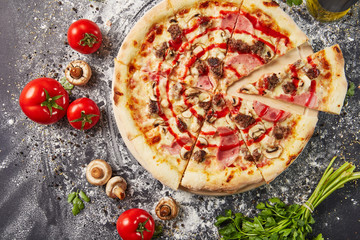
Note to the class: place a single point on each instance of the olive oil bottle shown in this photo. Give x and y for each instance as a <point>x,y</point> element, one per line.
<point>329,10</point>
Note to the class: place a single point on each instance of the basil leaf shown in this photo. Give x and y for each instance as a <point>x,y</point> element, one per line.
<point>79,203</point>
<point>71,197</point>
<point>75,210</point>
<point>84,196</point>
<point>65,83</point>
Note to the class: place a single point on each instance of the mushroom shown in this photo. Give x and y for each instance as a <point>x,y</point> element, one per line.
<point>256,131</point>
<point>187,114</point>
<point>159,122</point>
<point>235,101</point>
<point>204,97</point>
<point>202,141</point>
<point>98,172</point>
<point>78,72</point>
<point>166,209</point>
<point>191,92</point>
<point>184,153</point>
<point>272,151</point>
<point>230,122</point>
<point>115,188</point>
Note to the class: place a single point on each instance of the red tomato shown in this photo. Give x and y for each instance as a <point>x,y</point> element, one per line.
<point>135,224</point>
<point>83,113</point>
<point>44,100</point>
<point>84,36</point>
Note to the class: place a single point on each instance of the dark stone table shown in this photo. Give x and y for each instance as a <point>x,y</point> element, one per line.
<point>41,165</point>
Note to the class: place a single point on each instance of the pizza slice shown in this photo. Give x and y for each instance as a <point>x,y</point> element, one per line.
<point>207,26</point>
<point>274,137</point>
<point>262,33</point>
<point>317,81</point>
<point>221,162</point>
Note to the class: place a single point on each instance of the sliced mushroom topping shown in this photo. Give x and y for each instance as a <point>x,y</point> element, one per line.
<point>273,151</point>
<point>191,92</point>
<point>231,124</point>
<point>186,114</point>
<point>153,98</point>
<point>159,122</point>
<point>210,118</point>
<point>166,209</point>
<point>184,153</point>
<point>249,88</point>
<point>257,131</point>
<point>179,108</point>
<point>204,97</point>
<point>199,156</point>
<point>202,141</point>
<point>235,101</point>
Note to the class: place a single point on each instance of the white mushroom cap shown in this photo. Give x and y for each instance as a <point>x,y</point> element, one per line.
<point>167,208</point>
<point>115,188</point>
<point>98,172</point>
<point>83,72</point>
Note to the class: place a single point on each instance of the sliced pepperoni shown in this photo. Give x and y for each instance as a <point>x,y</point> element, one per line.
<point>270,114</point>
<point>229,21</point>
<point>205,83</point>
<point>244,25</point>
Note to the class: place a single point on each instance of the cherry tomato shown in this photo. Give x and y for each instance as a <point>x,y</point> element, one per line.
<point>44,100</point>
<point>135,224</point>
<point>84,36</point>
<point>83,113</point>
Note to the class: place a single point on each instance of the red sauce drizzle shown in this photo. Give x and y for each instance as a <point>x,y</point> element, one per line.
<point>222,113</point>
<point>251,141</point>
<point>264,29</point>
<point>295,78</point>
<point>228,147</point>
<point>207,133</point>
<point>271,46</point>
<point>231,68</point>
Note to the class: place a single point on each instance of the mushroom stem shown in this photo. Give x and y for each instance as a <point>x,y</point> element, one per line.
<point>119,192</point>
<point>165,211</point>
<point>76,72</point>
<point>97,172</point>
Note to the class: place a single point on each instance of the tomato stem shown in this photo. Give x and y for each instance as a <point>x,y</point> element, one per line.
<point>141,228</point>
<point>50,102</point>
<point>85,118</point>
<point>89,40</point>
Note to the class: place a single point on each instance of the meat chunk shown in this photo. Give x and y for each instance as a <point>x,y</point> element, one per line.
<point>281,132</point>
<point>153,107</point>
<point>181,125</point>
<point>204,21</point>
<point>244,120</point>
<point>273,80</point>
<point>238,46</point>
<point>258,48</point>
<point>160,52</point>
<point>201,67</point>
<point>216,66</point>
<point>256,154</point>
<point>205,105</point>
<point>175,31</point>
<point>289,87</point>
<point>218,100</point>
<point>313,73</point>
<point>199,156</point>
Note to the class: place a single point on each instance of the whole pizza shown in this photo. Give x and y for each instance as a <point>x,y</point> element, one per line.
<point>173,106</point>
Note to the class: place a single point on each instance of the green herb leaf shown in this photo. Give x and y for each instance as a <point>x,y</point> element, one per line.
<point>158,230</point>
<point>280,221</point>
<point>319,237</point>
<point>351,89</point>
<point>294,2</point>
<point>66,84</point>
<point>84,196</point>
<point>71,197</point>
<point>77,201</point>
<point>75,210</point>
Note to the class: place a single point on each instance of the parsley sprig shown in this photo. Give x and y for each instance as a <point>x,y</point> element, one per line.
<point>280,221</point>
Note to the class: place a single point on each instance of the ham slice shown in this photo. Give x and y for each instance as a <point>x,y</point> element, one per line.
<point>229,147</point>
<point>270,114</point>
<point>244,25</point>
<point>228,21</point>
<point>205,83</point>
<point>248,62</point>
<point>305,99</point>
<point>175,147</point>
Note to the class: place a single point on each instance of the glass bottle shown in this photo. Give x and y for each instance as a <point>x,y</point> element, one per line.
<point>329,10</point>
